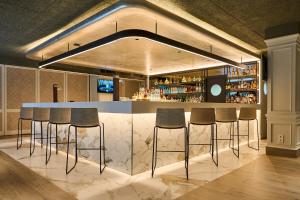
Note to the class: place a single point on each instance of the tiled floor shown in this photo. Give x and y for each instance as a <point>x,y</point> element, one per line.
<point>169,182</point>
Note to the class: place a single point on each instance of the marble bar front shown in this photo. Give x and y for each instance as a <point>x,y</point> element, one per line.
<point>129,131</point>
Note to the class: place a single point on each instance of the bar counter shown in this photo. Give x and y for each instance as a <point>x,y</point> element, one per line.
<point>129,130</point>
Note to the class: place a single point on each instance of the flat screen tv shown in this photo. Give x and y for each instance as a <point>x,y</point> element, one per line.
<point>105,86</point>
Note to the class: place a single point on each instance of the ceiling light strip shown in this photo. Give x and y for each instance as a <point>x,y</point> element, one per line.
<point>138,33</point>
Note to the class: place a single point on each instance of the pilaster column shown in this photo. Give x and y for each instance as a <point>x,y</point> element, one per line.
<point>283,115</point>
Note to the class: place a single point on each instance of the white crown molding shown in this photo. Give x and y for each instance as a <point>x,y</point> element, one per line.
<point>288,39</point>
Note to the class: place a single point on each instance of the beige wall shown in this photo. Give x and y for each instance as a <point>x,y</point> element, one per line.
<point>47,79</point>
<point>19,85</point>
<point>77,87</point>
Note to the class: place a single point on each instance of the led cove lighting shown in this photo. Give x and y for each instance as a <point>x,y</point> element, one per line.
<point>146,35</point>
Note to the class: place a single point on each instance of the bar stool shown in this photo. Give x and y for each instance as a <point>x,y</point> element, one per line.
<point>203,117</point>
<point>167,118</point>
<point>249,114</point>
<point>39,115</point>
<point>85,118</point>
<point>58,116</point>
<point>25,114</point>
<point>228,115</point>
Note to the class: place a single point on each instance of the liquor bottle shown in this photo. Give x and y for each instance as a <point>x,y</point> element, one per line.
<point>254,85</point>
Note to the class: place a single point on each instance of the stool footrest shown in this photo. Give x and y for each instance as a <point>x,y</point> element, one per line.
<point>221,139</point>
<point>89,149</point>
<point>171,151</point>
<point>61,142</point>
<point>40,138</point>
<point>200,144</point>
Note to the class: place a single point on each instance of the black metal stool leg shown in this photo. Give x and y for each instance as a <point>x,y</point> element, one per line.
<point>103,138</point>
<point>47,141</point>
<point>186,149</point>
<point>33,136</point>
<point>188,133</point>
<point>30,137</point>
<point>19,134</point>
<point>56,143</point>
<point>76,152</point>
<point>102,148</point>
<point>211,133</point>
<point>156,143</point>
<point>32,146</point>
<point>42,139</point>
<point>153,150</point>
<point>237,149</point>
<point>217,153</point>
<point>68,144</point>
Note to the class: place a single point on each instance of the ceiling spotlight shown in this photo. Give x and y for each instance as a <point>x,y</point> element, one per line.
<point>137,39</point>
<point>178,51</point>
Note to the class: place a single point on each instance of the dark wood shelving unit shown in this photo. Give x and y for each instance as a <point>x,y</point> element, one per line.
<point>202,75</point>
<point>243,78</point>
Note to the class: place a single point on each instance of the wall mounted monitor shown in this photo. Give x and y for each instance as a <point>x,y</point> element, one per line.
<point>105,86</point>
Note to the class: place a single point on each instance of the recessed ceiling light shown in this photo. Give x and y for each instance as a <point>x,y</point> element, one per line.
<point>137,39</point>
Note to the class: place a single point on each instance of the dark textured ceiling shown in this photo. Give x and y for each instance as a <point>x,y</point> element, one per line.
<point>244,19</point>
<point>22,22</point>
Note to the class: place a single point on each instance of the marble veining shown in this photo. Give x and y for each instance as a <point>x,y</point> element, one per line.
<point>169,182</point>
<point>118,133</point>
<point>174,140</point>
<point>129,137</point>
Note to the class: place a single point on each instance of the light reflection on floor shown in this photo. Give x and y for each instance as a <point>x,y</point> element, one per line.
<point>169,182</point>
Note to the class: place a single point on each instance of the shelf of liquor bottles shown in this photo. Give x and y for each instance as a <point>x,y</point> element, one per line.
<point>242,84</point>
<point>185,87</point>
